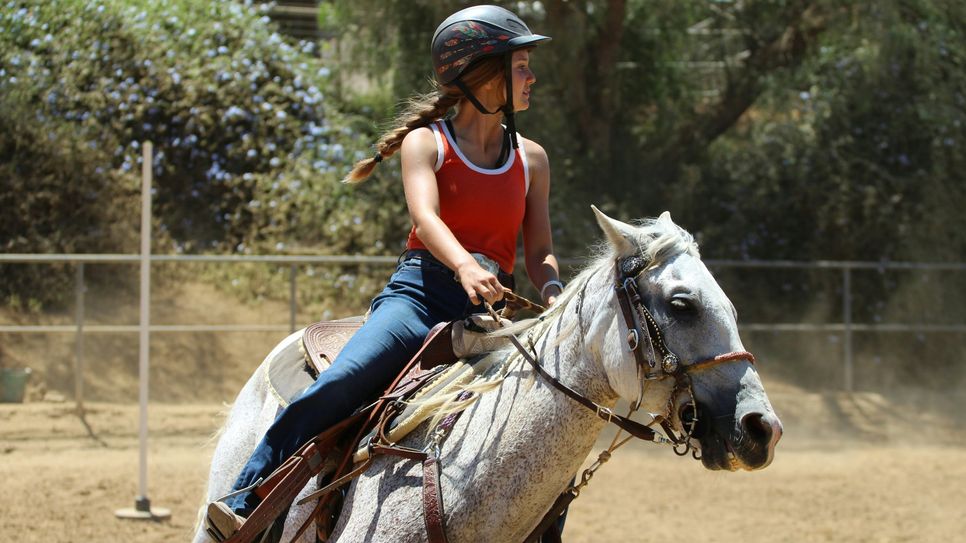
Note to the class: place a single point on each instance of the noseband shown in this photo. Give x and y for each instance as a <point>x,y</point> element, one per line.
<point>663,363</point>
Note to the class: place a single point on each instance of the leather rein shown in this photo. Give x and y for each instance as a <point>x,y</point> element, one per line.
<point>640,324</point>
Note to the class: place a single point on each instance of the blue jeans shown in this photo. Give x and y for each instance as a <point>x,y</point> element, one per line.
<point>421,293</point>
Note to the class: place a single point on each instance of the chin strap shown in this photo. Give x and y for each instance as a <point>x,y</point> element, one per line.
<point>507,109</point>
<point>469,96</point>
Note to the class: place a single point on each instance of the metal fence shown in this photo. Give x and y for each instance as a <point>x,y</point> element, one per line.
<point>846,327</point>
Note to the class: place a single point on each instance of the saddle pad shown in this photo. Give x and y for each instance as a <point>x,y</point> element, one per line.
<point>285,369</point>
<point>446,386</point>
<point>288,372</point>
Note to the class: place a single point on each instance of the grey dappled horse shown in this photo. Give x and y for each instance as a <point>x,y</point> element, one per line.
<point>517,446</point>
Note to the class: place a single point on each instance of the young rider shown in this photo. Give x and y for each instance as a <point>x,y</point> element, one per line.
<point>471,185</point>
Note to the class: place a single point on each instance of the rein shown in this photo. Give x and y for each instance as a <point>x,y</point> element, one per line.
<point>639,323</point>
<point>630,426</point>
<point>634,312</point>
<point>515,302</point>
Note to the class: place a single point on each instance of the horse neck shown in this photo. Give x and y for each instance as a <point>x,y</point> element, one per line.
<point>570,348</point>
<point>533,438</point>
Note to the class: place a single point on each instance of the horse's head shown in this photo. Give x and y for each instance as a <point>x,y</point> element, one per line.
<point>690,368</point>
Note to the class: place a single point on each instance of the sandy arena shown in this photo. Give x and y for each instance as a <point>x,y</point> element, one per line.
<point>863,467</point>
<point>59,485</point>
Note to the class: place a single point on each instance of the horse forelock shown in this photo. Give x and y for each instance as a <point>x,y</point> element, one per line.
<point>660,239</point>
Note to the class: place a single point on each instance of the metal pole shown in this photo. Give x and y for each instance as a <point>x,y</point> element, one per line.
<point>144,340</point>
<point>293,304</point>
<point>142,505</point>
<point>847,322</point>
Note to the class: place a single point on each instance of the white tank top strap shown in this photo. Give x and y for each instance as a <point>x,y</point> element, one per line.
<point>439,146</point>
<point>526,165</point>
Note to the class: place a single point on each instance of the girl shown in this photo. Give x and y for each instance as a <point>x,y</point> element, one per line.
<point>471,185</point>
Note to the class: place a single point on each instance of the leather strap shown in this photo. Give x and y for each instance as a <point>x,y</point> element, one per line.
<point>433,501</point>
<point>557,509</point>
<point>630,426</point>
<point>284,484</point>
<point>633,327</point>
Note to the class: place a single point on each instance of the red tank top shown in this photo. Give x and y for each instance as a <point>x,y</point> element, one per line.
<point>483,208</point>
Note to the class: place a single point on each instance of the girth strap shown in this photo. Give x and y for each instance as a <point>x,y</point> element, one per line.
<point>557,509</point>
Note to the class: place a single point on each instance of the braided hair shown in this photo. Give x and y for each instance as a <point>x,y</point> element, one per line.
<point>423,110</point>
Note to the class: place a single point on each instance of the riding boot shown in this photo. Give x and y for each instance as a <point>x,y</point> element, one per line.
<point>221,522</point>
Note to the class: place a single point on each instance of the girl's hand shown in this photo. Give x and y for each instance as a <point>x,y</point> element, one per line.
<point>478,283</point>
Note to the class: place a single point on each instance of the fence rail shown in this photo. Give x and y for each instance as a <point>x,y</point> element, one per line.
<point>846,327</point>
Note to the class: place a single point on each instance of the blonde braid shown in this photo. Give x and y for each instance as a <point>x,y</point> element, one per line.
<point>420,111</point>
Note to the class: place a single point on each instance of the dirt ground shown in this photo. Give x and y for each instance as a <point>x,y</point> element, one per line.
<point>905,482</point>
<point>862,467</point>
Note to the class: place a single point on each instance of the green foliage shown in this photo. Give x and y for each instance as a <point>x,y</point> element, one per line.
<point>58,196</point>
<point>853,156</point>
<point>230,106</point>
<point>780,129</point>
<point>248,151</point>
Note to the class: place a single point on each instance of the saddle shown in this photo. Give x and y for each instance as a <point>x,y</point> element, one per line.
<point>451,355</point>
<point>445,343</point>
<point>323,341</point>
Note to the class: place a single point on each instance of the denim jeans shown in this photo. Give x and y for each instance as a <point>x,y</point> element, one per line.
<point>421,293</point>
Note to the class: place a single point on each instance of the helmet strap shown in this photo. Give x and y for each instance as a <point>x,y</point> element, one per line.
<point>508,107</point>
<point>469,96</point>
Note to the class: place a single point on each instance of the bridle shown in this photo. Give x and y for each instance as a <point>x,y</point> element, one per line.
<point>663,362</point>
<point>640,323</point>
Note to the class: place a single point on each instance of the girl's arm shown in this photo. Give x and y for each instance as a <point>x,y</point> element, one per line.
<point>542,265</point>
<point>422,198</point>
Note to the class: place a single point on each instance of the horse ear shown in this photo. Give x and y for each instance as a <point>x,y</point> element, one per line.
<point>620,235</point>
<point>665,217</point>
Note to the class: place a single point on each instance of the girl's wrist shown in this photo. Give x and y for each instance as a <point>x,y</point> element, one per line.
<point>550,284</point>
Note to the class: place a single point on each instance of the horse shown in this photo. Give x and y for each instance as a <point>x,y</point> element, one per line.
<point>516,447</point>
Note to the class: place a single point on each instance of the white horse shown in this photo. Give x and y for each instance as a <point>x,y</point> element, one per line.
<point>516,448</point>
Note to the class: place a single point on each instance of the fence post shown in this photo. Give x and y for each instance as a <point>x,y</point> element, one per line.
<point>847,326</point>
<point>293,305</point>
<point>143,510</point>
<point>79,289</point>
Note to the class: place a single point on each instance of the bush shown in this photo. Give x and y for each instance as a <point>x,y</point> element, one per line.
<point>58,196</point>
<point>249,147</point>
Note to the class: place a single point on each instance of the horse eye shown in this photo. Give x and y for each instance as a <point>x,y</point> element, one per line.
<point>682,305</point>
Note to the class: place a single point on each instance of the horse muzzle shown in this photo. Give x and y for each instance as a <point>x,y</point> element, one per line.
<point>747,444</point>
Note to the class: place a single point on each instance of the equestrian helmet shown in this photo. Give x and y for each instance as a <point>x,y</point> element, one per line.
<point>474,33</point>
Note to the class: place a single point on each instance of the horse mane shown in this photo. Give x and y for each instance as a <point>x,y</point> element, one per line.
<point>655,240</point>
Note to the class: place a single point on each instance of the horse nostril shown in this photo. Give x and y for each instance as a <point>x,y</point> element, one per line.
<point>755,427</point>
